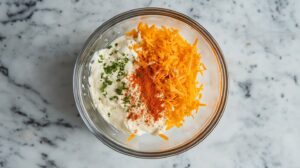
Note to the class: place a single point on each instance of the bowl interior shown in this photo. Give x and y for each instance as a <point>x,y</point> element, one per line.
<point>178,137</point>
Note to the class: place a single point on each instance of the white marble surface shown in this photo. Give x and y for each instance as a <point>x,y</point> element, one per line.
<point>40,126</point>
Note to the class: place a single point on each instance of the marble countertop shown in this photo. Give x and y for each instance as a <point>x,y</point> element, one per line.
<point>39,123</point>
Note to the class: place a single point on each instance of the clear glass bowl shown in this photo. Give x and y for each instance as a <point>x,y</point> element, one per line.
<point>194,129</point>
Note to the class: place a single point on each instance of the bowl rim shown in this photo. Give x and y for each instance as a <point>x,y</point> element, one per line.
<point>163,12</point>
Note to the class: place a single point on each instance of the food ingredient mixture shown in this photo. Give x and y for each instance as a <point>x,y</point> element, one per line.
<point>146,80</point>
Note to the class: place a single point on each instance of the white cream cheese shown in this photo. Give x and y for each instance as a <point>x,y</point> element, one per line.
<point>110,69</point>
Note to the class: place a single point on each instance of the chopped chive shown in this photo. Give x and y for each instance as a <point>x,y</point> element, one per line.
<point>109,82</point>
<point>123,85</point>
<point>103,87</point>
<point>114,98</point>
<point>119,91</point>
<point>126,100</point>
<point>126,60</point>
<point>104,94</point>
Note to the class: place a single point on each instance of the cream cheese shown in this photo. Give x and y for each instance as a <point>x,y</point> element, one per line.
<point>110,69</point>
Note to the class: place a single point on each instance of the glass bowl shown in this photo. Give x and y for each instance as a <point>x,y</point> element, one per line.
<point>194,129</point>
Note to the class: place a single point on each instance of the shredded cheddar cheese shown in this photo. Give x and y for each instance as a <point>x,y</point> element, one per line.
<point>131,136</point>
<point>173,64</point>
<point>164,137</point>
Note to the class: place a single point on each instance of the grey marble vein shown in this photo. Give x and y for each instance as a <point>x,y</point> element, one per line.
<point>40,126</point>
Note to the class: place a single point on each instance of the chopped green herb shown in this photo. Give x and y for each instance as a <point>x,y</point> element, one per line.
<point>103,87</point>
<point>126,60</point>
<point>119,91</point>
<point>104,94</point>
<point>107,81</point>
<point>139,104</point>
<point>123,85</point>
<point>111,68</point>
<point>109,47</point>
<point>114,98</point>
<point>121,74</point>
<point>101,56</point>
<point>116,44</point>
<point>108,114</point>
<point>126,100</point>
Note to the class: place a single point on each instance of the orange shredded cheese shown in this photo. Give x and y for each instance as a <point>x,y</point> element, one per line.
<point>131,136</point>
<point>174,64</point>
<point>164,137</point>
